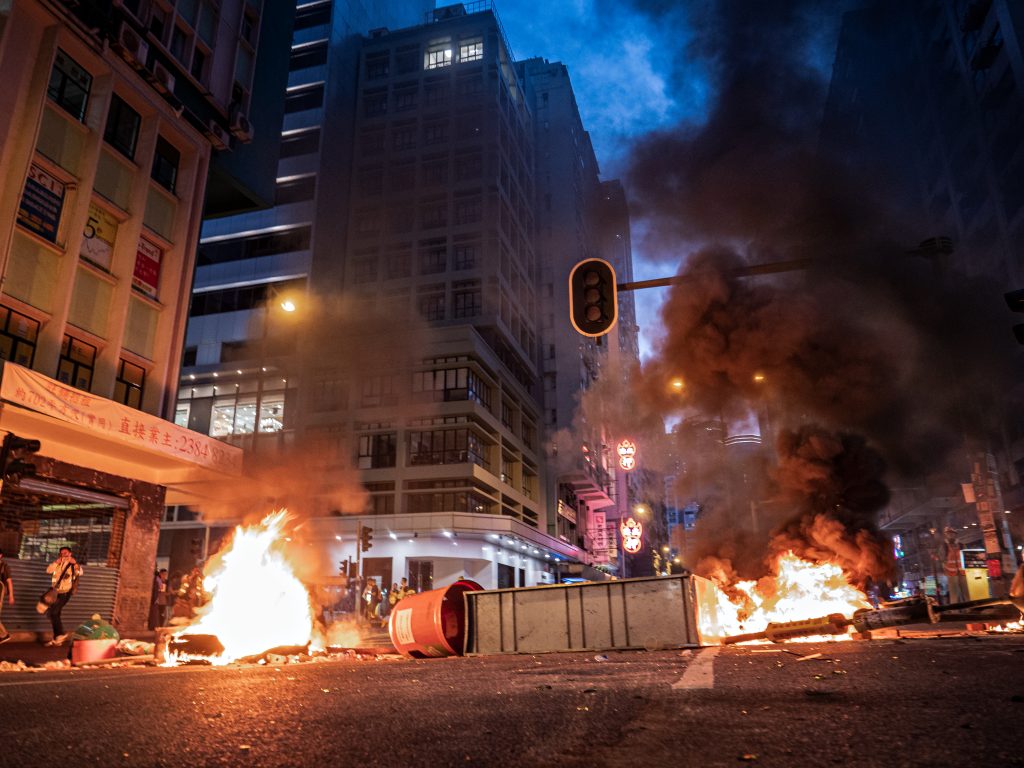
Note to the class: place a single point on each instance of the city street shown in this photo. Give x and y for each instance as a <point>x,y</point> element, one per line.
<point>950,701</point>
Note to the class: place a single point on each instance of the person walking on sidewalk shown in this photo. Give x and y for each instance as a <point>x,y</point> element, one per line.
<point>64,573</point>
<point>6,592</point>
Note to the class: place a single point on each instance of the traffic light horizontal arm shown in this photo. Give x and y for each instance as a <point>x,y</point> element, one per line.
<point>794,265</point>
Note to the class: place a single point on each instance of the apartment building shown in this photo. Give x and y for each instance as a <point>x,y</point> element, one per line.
<point>110,114</point>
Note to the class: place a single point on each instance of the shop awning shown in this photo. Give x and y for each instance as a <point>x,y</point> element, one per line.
<point>93,432</point>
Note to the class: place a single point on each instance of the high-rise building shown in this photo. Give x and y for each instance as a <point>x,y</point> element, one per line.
<point>110,113</point>
<point>420,213</point>
<point>578,217</point>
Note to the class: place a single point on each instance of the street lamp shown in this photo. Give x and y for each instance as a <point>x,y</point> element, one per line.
<point>288,305</point>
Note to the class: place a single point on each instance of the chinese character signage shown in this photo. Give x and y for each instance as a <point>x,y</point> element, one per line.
<point>107,419</point>
<point>147,268</point>
<point>627,455</point>
<point>632,535</point>
<point>41,204</point>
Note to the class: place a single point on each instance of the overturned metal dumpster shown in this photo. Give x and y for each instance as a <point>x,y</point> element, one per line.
<point>650,613</point>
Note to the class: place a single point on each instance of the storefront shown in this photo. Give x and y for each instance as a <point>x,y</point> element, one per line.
<point>104,475</point>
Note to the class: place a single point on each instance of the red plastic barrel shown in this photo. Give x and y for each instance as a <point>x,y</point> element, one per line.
<point>433,623</point>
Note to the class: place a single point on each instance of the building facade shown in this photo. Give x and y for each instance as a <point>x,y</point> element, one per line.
<point>109,117</point>
<point>420,215</point>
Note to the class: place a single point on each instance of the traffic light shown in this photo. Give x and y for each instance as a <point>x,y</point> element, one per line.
<point>13,457</point>
<point>593,300</point>
<point>365,538</point>
<point>1015,301</point>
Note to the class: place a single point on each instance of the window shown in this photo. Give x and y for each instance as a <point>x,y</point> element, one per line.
<point>367,222</point>
<point>69,85</point>
<point>398,265</point>
<point>403,176</point>
<point>377,451</point>
<point>18,335</point>
<point>312,55</point>
<point>370,181</point>
<point>450,385</point>
<point>237,415</point>
<point>128,386</point>
<point>165,164</point>
<point>404,137</point>
<point>76,364</point>
<point>433,256</point>
<point>303,143</point>
<point>301,99</point>
<point>435,133</point>
<point>471,49</point>
<point>198,68</point>
<point>122,129</point>
<point>269,244</point>
<point>468,167</point>
<point>436,93</point>
<point>431,302</point>
<point>446,446</point>
<point>235,299</point>
<point>435,172</point>
<point>405,98</point>
<point>365,270</point>
<point>434,215</point>
<point>467,210</point>
<point>375,103</point>
<point>372,142</point>
<point>439,54</point>
<point>378,65</point>
<point>379,390</point>
<point>312,16</point>
<point>181,44</point>
<point>407,59</point>
<point>401,218</point>
<point>467,299</point>
<point>466,255</point>
<point>295,190</point>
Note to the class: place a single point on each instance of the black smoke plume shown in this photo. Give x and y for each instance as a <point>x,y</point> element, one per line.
<point>876,354</point>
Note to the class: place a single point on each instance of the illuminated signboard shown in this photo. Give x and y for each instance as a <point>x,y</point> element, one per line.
<point>632,535</point>
<point>627,454</point>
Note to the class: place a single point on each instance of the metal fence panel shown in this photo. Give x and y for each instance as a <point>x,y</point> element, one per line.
<point>658,612</point>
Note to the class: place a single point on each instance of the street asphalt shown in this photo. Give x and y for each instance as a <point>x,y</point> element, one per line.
<point>930,701</point>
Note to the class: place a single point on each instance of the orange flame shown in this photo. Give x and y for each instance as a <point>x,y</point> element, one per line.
<point>799,590</point>
<point>256,601</point>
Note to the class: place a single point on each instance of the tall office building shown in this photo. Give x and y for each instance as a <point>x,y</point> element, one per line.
<point>422,213</point>
<point>110,113</point>
<point>578,217</point>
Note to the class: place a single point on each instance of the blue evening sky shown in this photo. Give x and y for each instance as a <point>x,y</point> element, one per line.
<point>620,64</point>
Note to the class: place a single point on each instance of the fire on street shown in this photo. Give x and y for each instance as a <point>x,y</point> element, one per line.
<point>947,701</point>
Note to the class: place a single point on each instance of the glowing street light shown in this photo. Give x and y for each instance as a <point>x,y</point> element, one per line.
<point>288,305</point>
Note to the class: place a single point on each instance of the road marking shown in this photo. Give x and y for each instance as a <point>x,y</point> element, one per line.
<point>701,671</point>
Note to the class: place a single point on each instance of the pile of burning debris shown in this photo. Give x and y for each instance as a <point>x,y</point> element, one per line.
<point>917,610</point>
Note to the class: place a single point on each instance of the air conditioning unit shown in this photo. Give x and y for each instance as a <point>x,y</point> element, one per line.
<point>131,46</point>
<point>163,78</point>
<point>219,138</point>
<point>240,126</point>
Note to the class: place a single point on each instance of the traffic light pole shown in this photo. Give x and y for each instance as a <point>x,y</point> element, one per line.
<point>793,265</point>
